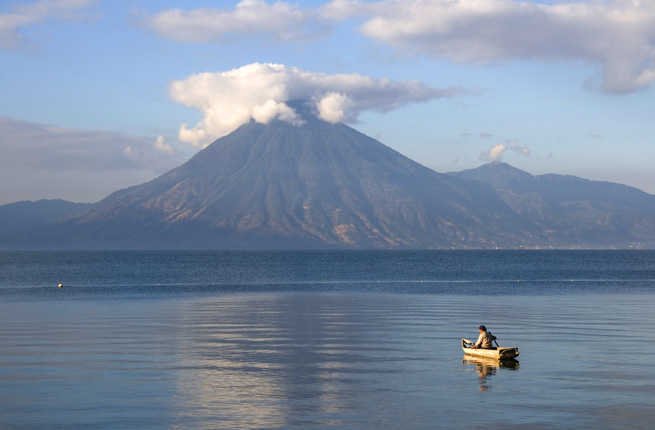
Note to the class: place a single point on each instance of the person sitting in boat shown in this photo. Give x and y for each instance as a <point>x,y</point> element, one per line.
<point>485,339</point>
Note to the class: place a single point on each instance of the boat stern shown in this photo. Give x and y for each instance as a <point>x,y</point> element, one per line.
<point>507,353</point>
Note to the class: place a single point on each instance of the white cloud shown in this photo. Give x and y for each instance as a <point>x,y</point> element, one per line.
<point>21,16</point>
<point>283,21</point>
<point>161,145</point>
<point>261,92</point>
<point>616,35</point>
<point>333,107</point>
<point>43,161</point>
<point>496,152</point>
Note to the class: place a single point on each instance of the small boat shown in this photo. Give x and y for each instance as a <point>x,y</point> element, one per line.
<point>499,353</point>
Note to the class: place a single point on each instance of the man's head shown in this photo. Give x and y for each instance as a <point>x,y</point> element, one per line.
<point>482,328</point>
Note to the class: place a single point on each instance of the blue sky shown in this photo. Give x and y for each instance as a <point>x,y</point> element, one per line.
<point>100,67</point>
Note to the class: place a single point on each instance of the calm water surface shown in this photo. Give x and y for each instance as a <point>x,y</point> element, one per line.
<point>325,340</point>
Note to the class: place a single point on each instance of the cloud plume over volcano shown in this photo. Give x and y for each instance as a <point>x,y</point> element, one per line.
<point>262,92</point>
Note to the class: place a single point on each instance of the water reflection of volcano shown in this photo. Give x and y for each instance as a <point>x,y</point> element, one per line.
<point>486,368</point>
<point>282,361</point>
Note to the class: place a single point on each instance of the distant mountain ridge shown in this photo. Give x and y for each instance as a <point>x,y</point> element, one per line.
<point>573,210</point>
<point>321,185</point>
<point>24,216</point>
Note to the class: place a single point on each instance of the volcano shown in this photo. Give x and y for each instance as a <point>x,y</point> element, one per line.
<point>319,185</point>
<point>314,185</point>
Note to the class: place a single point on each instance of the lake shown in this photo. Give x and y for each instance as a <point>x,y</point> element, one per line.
<point>325,340</point>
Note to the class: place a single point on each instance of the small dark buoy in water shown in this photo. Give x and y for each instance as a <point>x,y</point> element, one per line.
<point>60,285</point>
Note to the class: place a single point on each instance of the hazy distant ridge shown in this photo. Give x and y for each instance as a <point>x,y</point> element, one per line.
<point>573,211</point>
<point>21,217</point>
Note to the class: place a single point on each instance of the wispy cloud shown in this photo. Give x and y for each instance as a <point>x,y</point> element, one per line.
<point>260,92</point>
<point>616,35</point>
<point>15,19</point>
<point>280,20</point>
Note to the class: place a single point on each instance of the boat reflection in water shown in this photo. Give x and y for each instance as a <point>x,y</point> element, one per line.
<point>487,367</point>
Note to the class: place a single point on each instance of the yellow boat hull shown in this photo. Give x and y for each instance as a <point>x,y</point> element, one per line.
<point>500,353</point>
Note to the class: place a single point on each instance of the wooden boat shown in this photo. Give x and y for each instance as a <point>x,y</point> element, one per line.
<point>500,353</point>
